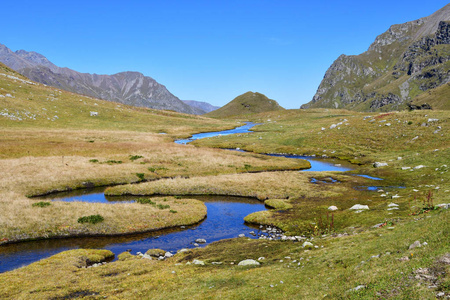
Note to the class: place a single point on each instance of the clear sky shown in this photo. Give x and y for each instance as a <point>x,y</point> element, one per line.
<point>207,50</point>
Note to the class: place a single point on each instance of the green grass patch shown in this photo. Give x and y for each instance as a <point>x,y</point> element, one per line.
<point>41,204</point>
<point>92,219</point>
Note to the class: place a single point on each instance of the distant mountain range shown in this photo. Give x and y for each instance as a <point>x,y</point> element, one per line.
<point>248,103</point>
<point>204,106</point>
<point>132,88</point>
<point>398,68</point>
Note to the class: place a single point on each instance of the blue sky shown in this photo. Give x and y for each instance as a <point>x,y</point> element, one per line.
<point>205,50</point>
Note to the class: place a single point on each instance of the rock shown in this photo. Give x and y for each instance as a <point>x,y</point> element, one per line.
<point>200,241</point>
<point>432,120</point>
<point>198,262</point>
<point>404,258</point>
<point>357,288</point>
<point>419,167</point>
<point>168,254</point>
<point>333,126</point>
<point>395,196</point>
<point>415,245</point>
<point>261,258</point>
<point>332,208</point>
<point>249,262</point>
<point>392,205</point>
<point>406,168</point>
<point>182,250</point>
<point>155,252</point>
<point>379,164</point>
<point>242,235</point>
<point>359,207</point>
<point>307,245</point>
<point>444,205</point>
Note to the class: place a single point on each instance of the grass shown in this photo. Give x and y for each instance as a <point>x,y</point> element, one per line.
<point>41,154</point>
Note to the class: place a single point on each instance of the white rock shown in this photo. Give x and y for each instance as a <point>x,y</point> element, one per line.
<point>359,207</point>
<point>419,167</point>
<point>249,262</point>
<point>406,168</point>
<point>307,245</point>
<point>332,208</point>
<point>379,164</point>
<point>395,196</point>
<point>242,235</point>
<point>198,262</point>
<point>168,254</point>
<point>392,205</point>
<point>415,245</point>
<point>200,241</point>
<point>432,120</point>
<point>333,126</point>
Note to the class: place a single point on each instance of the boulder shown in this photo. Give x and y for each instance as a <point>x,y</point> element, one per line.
<point>379,164</point>
<point>308,245</point>
<point>415,245</point>
<point>198,262</point>
<point>249,262</point>
<point>332,208</point>
<point>200,241</point>
<point>359,207</point>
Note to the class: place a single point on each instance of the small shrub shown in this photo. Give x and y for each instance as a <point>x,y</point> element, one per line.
<point>41,204</point>
<point>173,211</point>
<point>93,160</point>
<point>177,197</point>
<point>163,206</point>
<point>151,169</point>
<point>410,122</point>
<point>135,157</point>
<point>112,161</point>
<point>145,201</point>
<point>93,219</point>
<point>141,176</point>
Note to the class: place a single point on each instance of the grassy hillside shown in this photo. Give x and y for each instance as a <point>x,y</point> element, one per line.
<point>438,98</point>
<point>245,104</point>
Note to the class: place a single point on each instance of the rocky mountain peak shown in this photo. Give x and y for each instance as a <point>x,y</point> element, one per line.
<point>399,65</point>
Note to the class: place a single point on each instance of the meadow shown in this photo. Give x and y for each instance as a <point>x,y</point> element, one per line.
<point>354,255</point>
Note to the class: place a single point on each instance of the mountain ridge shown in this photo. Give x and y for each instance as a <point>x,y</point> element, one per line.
<point>378,79</point>
<point>129,87</point>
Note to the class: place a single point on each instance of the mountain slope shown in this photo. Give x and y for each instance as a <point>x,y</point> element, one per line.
<point>401,64</point>
<point>130,88</point>
<point>247,103</point>
<point>205,106</point>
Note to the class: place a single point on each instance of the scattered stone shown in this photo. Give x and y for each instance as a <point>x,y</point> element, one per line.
<point>444,205</point>
<point>404,258</point>
<point>332,208</point>
<point>359,207</point>
<point>406,168</point>
<point>357,288</point>
<point>216,263</point>
<point>249,262</point>
<point>242,235</point>
<point>379,164</point>
<point>396,196</point>
<point>308,245</point>
<point>200,241</point>
<point>419,167</point>
<point>393,208</point>
<point>168,254</point>
<point>432,120</point>
<point>333,126</point>
<point>415,245</point>
<point>261,258</point>
<point>392,205</point>
<point>198,262</point>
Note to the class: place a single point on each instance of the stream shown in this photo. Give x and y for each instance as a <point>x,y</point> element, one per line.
<point>225,219</point>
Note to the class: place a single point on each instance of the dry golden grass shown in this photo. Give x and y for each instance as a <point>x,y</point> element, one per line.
<point>287,184</point>
<point>21,221</point>
<point>38,161</point>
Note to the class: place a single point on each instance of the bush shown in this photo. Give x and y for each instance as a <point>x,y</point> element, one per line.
<point>41,204</point>
<point>113,161</point>
<point>93,160</point>
<point>141,176</point>
<point>135,157</point>
<point>145,201</point>
<point>173,211</point>
<point>162,206</point>
<point>93,219</point>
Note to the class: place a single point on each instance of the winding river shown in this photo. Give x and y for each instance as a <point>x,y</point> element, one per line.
<point>224,220</point>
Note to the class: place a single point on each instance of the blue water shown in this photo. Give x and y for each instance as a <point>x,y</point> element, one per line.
<point>225,220</point>
<point>242,129</point>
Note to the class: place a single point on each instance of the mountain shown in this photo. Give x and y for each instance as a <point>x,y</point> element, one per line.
<point>401,64</point>
<point>131,88</point>
<point>205,106</point>
<point>247,103</point>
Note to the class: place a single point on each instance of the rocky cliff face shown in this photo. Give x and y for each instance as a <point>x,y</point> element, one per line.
<point>131,88</point>
<point>402,63</point>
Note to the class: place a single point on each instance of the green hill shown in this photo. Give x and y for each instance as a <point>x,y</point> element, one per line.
<point>247,103</point>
